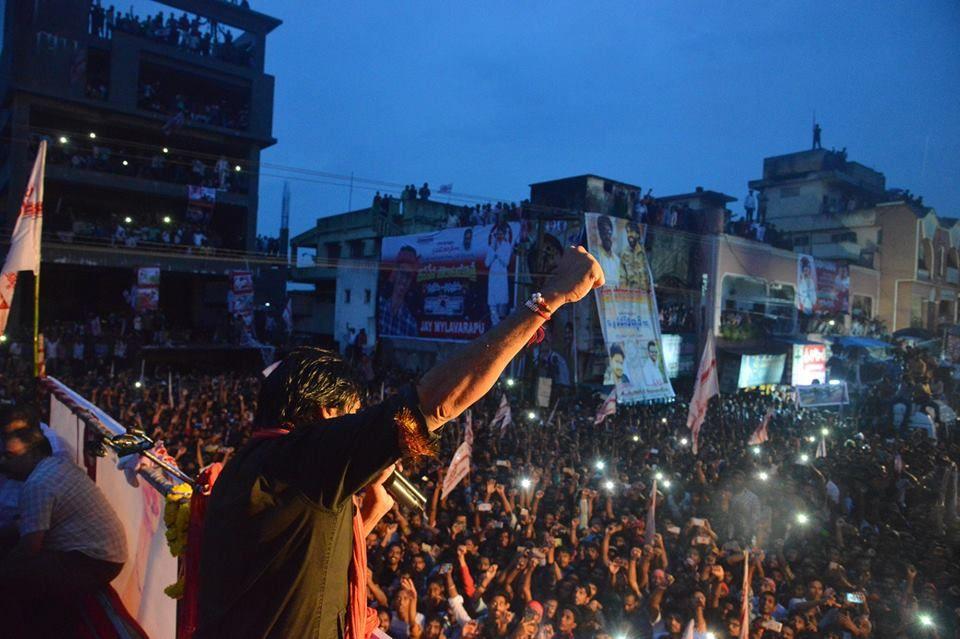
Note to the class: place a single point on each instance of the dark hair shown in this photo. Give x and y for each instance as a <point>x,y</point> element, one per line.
<point>616,349</point>
<point>633,226</point>
<point>33,439</point>
<point>20,412</point>
<point>606,221</point>
<point>307,380</point>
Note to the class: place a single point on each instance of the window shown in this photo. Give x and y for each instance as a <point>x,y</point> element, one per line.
<point>346,296</point>
<point>366,296</point>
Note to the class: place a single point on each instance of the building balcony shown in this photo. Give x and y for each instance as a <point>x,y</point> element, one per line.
<point>312,273</point>
<point>837,251</point>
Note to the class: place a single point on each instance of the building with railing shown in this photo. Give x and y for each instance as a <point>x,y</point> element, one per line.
<point>155,123</point>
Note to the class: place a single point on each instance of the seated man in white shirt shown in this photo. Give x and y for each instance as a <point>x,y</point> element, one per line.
<point>71,541</point>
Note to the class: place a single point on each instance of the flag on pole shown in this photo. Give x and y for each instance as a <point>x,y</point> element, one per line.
<point>24,253</point>
<point>608,407</point>
<point>706,387</point>
<point>445,188</point>
<point>761,435</point>
<point>745,604</point>
<point>822,448</point>
<point>459,467</point>
<point>651,523</point>
<point>288,315</point>
<point>502,418</point>
<point>468,431</point>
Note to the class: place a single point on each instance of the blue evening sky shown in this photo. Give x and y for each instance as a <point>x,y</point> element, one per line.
<point>494,95</point>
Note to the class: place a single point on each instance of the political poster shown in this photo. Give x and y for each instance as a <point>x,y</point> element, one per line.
<point>447,285</point>
<point>627,308</point>
<point>817,395</point>
<point>240,297</point>
<point>679,353</point>
<point>760,370</point>
<point>823,286</point>
<point>809,364</point>
<point>147,290</point>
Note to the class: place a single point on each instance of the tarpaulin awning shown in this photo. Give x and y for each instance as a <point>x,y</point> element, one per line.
<point>800,341</point>
<point>860,342</point>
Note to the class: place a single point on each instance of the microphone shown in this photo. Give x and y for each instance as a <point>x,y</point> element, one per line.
<point>404,492</point>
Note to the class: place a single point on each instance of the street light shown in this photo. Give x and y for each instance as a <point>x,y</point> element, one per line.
<point>128,219</point>
<point>236,168</point>
<point>266,304</point>
<point>166,219</point>
<point>137,384</point>
<point>93,136</point>
<point>166,150</point>
<point>125,163</point>
<point>64,139</point>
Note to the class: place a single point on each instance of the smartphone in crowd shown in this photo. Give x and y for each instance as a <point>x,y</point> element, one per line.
<point>484,507</point>
<point>854,598</point>
<point>445,568</point>
<point>697,521</point>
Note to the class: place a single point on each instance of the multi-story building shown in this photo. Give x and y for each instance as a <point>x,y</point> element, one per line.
<point>155,124</point>
<point>832,208</point>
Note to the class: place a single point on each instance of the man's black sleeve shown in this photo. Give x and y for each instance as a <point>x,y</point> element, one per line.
<point>330,461</point>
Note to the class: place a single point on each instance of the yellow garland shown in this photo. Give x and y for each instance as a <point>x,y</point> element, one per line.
<point>176,516</point>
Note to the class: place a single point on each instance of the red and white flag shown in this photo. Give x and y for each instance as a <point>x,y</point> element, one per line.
<point>24,253</point>
<point>651,523</point>
<point>762,435</point>
<point>608,407</point>
<point>706,387</point>
<point>459,467</point>
<point>745,603</point>
<point>502,418</point>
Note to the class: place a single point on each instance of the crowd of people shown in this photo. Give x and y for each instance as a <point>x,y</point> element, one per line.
<point>80,151</point>
<point>166,96</point>
<point>676,317</point>
<point>554,532</point>
<point>191,33</point>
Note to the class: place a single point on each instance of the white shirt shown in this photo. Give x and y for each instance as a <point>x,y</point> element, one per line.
<point>611,268</point>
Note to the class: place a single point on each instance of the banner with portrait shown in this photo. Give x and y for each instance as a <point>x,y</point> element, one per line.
<point>627,308</point>
<point>823,286</point>
<point>760,370</point>
<point>809,364</point>
<point>448,285</point>
<point>834,394</point>
<point>147,289</point>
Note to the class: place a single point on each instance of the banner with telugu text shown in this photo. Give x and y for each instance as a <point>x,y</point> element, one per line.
<point>628,313</point>
<point>447,285</point>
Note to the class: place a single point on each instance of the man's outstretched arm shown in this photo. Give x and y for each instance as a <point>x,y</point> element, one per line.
<point>449,388</point>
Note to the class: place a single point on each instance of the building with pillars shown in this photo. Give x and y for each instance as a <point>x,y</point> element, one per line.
<point>137,108</point>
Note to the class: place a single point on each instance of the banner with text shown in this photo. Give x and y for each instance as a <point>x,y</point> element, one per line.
<point>809,364</point>
<point>822,395</point>
<point>823,286</point>
<point>760,370</point>
<point>447,285</point>
<point>628,310</point>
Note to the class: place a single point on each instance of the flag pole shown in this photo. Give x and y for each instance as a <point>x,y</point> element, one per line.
<point>36,318</point>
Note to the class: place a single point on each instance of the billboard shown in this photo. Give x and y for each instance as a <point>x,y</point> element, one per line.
<point>679,352</point>
<point>823,286</point>
<point>760,370</point>
<point>627,308</point>
<point>822,395</point>
<point>448,285</point>
<point>809,364</point>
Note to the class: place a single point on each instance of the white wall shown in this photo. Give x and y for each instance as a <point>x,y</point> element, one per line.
<point>358,277</point>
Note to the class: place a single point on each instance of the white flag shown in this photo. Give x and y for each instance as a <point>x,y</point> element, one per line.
<point>503,417</point>
<point>24,253</point>
<point>761,435</point>
<point>608,407</point>
<point>822,448</point>
<point>705,388</point>
<point>459,467</point>
<point>288,315</point>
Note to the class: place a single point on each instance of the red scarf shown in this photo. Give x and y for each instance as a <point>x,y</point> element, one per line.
<point>361,620</point>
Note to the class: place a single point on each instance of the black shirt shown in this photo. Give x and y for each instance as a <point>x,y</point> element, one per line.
<point>278,531</point>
